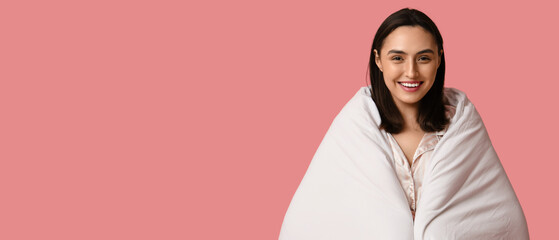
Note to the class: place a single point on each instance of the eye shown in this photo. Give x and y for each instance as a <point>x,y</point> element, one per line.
<point>397,58</point>
<point>424,58</point>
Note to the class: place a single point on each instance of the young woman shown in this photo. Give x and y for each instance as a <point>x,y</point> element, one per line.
<point>406,158</point>
<point>407,75</point>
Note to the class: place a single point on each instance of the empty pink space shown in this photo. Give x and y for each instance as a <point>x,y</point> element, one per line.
<point>198,119</point>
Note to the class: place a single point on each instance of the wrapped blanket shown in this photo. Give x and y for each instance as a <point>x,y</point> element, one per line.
<point>351,192</point>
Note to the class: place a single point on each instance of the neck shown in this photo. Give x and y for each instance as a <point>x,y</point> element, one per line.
<point>409,114</point>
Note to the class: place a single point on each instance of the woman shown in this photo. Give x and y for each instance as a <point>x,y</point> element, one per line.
<point>406,158</point>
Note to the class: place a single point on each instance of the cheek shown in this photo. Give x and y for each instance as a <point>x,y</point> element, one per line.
<point>391,71</point>
<point>430,71</point>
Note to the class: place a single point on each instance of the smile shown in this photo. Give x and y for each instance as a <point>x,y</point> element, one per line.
<point>410,86</point>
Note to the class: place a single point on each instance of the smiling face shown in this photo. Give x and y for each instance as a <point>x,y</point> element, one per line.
<point>408,61</point>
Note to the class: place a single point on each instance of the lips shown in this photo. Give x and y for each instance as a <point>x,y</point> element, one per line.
<point>410,86</point>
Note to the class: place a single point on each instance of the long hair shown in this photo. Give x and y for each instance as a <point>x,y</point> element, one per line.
<point>431,115</point>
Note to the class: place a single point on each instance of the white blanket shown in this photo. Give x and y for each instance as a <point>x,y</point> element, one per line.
<point>350,190</point>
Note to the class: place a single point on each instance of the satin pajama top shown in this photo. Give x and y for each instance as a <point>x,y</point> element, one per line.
<point>411,177</point>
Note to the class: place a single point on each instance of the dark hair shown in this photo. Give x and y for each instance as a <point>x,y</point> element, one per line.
<point>431,116</point>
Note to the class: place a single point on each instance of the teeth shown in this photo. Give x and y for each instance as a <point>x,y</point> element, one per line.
<point>410,85</point>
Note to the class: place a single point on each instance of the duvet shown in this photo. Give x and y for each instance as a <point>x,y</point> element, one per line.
<point>350,190</point>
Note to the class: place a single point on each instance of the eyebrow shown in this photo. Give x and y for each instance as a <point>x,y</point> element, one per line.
<point>402,52</point>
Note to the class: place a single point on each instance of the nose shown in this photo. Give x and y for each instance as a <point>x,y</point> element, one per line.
<point>411,70</point>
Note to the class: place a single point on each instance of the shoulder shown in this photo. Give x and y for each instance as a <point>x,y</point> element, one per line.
<point>359,112</point>
<point>450,110</point>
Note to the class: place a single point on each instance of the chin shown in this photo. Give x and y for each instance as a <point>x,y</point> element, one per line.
<point>412,101</point>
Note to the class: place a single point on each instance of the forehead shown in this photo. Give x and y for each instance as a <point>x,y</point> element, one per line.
<point>409,39</point>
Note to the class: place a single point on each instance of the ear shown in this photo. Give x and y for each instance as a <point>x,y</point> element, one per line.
<point>440,58</point>
<point>377,59</point>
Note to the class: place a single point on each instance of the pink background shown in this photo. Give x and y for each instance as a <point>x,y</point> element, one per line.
<point>197,120</point>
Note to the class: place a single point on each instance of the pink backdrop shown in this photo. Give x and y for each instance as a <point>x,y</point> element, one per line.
<point>172,120</point>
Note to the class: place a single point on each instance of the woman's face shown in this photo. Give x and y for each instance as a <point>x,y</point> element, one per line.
<point>408,61</point>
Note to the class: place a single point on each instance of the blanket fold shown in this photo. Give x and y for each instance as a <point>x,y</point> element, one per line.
<point>351,191</point>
